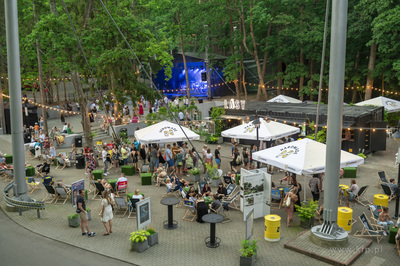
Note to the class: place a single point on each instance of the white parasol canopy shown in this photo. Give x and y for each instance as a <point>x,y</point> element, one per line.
<point>303,157</point>
<point>164,132</point>
<point>283,99</point>
<point>390,105</point>
<point>270,130</point>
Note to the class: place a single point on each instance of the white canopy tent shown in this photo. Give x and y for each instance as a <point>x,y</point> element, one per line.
<point>390,105</point>
<point>164,132</point>
<point>269,130</point>
<point>303,157</point>
<point>283,99</point>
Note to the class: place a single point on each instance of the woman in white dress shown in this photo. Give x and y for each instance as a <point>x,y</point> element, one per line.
<point>106,212</point>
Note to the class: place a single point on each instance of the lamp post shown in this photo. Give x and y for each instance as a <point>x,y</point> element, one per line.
<point>256,123</point>
<point>396,137</point>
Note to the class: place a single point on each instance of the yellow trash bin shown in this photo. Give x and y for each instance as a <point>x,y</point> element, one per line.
<point>272,228</point>
<point>380,199</point>
<point>345,218</point>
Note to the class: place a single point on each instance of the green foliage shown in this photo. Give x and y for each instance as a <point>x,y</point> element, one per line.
<point>73,216</point>
<point>216,113</point>
<point>321,136</point>
<point>92,135</point>
<point>362,155</point>
<point>211,139</point>
<point>392,118</point>
<point>249,248</point>
<point>139,236</point>
<point>194,171</point>
<point>212,171</point>
<point>88,209</point>
<point>307,210</point>
<point>151,231</point>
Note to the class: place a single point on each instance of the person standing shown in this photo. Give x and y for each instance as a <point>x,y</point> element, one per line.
<point>106,212</point>
<point>184,153</point>
<point>315,186</point>
<point>106,159</point>
<point>115,157</point>
<point>290,209</point>
<point>180,115</point>
<point>81,210</point>
<point>124,155</point>
<point>153,159</point>
<point>245,155</point>
<point>91,162</point>
<point>142,154</point>
<point>253,164</point>
<point>169,158</point>
<point>218,156</point>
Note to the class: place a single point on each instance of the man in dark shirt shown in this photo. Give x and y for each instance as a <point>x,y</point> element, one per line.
<point>81,209</point>
<point>218,157</point>
<point>215,204</point>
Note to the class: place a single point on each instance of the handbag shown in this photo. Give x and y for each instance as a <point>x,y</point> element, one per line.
<point>286,203</point>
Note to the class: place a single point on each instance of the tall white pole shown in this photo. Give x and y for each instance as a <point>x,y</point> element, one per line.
<point>14,79</point>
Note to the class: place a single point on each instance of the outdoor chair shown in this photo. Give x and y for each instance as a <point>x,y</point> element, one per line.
<point>132,208</point>
<point>182,195</point>
<point>120,206</point>
<point>227,180</point>
<point>62,193</point>
<point>121,188</point>
<point>223,210</point>
<point>361,196</point>
<point>42,169</point>
<point>388,191</point>
<point>32,184</point>
<point>276,195</point>
<point>230,189</point>
<point>382,178</point>
<point>61,163</point>
<point>375,210</point>
<point>50,193</point>
<point>99,189</point>
<point>190,211</point>
<point>231,201</point>
<point>369,230</point>
<point>200,186</point>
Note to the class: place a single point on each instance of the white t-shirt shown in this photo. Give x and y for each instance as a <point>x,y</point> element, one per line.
<point>137,197</point>
<point>180,115</point>
<point>176,101</point>
<point>104,154</point>
<point>122,179</point>
<point>209,156</point>
<point>169,185</point>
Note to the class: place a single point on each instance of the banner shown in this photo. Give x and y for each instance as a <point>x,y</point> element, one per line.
<point>143,213</point>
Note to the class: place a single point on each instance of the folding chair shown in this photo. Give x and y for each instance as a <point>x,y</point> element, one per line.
<point>62,193</point>
<point>388,191</point>
<point>227,180</point>
<point>200,186</point>
<point>276,195</point>
<point>121,188</point>
<point>183,195</point>
<point>32,184</point>
<point>382,178</point>
<point>61,163</point>
<point>361,196</point>
<point>120,206</point>
<point>232,200</point>
<point>190,211</point>
<point>375,210</point>
<point>230,189</point>
<point>369,230</point>
<point>132,208</point>
<point>50,192</point>
<point>99,189</point>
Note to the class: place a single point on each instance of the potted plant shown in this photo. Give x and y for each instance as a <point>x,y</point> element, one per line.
<point>89,213</point>
<point>248,252</point>
<point>139,240</point>
<point>307,213</point>
<point>194,174</point>
<point>212,174</point>
<point>215,115</point>
<point>73,220</point>
<point>153,237</point>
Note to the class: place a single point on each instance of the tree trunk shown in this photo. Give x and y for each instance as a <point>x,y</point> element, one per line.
<point>53,8</point>
<point>244,80</point>
<point>383,84</point>
<point>65,88</point>
<point>39,57</point>
<point>301,77</point>
<point>183,55</point>
<point>58,92</point>
<point>232,48</point>
<point>279,77</point>
<point>371,67</point>
<point>354,95</point>
<point>83,104</point>
<point>311,78</point>
<point>88,12</point>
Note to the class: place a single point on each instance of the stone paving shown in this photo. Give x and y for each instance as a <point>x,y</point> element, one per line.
<point>178,247</point>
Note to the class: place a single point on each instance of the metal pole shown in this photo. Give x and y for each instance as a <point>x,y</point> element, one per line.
<point>14,77</point>
<point>335,106</point>
<point>2,118</point>
<point>321,75</point>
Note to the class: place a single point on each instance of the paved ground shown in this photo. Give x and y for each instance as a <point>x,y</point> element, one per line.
<point>177,247</point>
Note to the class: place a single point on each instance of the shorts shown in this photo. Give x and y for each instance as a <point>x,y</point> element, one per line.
<point>217,161</point>
<point>83,216</point>
<point>171,162</point>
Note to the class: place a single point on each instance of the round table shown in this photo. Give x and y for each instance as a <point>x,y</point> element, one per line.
<point>170,223</point>
<point>212,241</point>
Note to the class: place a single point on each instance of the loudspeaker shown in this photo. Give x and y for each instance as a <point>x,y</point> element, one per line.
<point>203,76</point>
<point>200,100</point>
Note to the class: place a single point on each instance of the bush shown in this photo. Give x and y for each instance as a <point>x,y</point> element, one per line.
<point>249,248</point>
<point>73,216</point>
<point>194,171</point>
<point>307,210</point>
<point>139,236</point>
<point>151,231</point>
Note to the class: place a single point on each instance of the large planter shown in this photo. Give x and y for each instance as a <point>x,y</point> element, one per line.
<point>244,261</point>
<point>307,223</point>
<point>73,222</point>
<point>153,239</point>
<point>215,182</point>
<point>195,178</point>
<point>140,246</point>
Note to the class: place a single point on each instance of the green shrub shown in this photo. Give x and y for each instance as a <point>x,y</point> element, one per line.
<point>151,231</point>
<point>73,216</point>
<point>249,248</point>
<point>307,210</point>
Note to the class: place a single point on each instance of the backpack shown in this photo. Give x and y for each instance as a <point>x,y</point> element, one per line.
<point>238,159</point>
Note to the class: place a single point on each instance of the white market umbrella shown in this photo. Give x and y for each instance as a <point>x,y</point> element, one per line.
<point>270,130</point>
<point>164,132</point>
<point>390,105</point>
<point>283,99</point>
<point>303,157</point>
